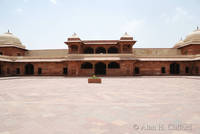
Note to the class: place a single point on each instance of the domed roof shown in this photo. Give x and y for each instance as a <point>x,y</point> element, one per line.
<point>178,44</point>
<point>74,37</point>
<point>8,39</point>
<point>126,36</point>
<point>194,36</point>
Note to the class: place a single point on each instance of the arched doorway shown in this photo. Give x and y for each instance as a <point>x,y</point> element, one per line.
<point>174,68</point>
<point>113,50</point>
<point>29,69</point>
<point>100,50</point>
<point>100,68</point>
<point>88,50</point>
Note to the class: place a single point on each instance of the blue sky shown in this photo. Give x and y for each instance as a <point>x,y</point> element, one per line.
<point>46,24</point>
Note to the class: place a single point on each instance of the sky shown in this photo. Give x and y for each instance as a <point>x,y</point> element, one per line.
<point>46,24</point>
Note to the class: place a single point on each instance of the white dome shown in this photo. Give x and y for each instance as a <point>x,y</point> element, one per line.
<point>194,36</point>
<point>8,39</point>
<point>178,44</point>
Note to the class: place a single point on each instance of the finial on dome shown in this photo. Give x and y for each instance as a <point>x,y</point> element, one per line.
<point>74,34</point>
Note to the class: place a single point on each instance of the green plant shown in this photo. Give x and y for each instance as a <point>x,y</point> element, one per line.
<point>94,77</point>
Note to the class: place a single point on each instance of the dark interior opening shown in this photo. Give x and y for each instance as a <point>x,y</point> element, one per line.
<point>39,70</point>
<point>186,70</point>
<point>65,71</point>
<point>163,70</point>
<point>113,65</point>
<point>174,68</point>
<point>137,70</point>
<point>100,68</point>
<point>29,69</point>
<point>113,50</point>
<point>100,50</point>
<point>86,65</point>
<point>17,71</point>
<point>88,50</point>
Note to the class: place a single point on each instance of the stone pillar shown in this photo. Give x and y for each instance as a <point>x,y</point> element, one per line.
<point>121,48</point>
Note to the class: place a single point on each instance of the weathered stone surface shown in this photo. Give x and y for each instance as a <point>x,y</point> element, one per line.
<point>61,105</point>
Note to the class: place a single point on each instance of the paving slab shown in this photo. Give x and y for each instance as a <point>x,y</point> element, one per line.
<point>120,105</point>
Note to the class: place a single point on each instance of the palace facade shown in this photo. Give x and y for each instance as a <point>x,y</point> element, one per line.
<point>100,57</point>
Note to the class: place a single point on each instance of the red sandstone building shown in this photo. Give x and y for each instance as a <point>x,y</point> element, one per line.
<point>100,57</point>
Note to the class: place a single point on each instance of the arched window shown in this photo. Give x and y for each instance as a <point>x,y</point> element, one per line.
<point>113,65</point>
<point>74,48</point>
<point>88,50</point>
<point>100,50</point>
<point>86,65</point>
<point>113,50</point>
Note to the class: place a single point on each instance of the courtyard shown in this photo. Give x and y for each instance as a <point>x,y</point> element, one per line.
<point>120,105</point>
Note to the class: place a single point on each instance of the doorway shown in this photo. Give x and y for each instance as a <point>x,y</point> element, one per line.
<point>100,68</point>
<point>29,69</point>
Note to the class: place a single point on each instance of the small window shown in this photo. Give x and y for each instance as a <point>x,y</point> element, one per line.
<point>8,70</point>
<point>18,54</point>
<point>163,70</point>
<point>39,70</point>
<point>17,71</point>
<point>197,70</point>
<point>65,71</point>
<point>186,70</point>
<point>137,70</point>
<point>1,53</point>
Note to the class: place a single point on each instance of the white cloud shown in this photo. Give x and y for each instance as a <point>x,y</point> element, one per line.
<point>53,1</point>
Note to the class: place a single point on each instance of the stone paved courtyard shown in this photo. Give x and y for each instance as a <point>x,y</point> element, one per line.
<point>123,105</point>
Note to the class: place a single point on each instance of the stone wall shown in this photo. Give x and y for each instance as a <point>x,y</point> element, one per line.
<point>127,68</point>
<point>12,51</point>
<point>191,49</point>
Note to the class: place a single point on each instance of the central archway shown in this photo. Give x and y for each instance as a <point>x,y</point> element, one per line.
<point>100,50</point>
<point>29,69</point>
<point>100,68</point>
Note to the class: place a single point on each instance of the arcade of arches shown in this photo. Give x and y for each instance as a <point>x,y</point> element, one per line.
<point>99,50</point>
<point>103,68</point>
